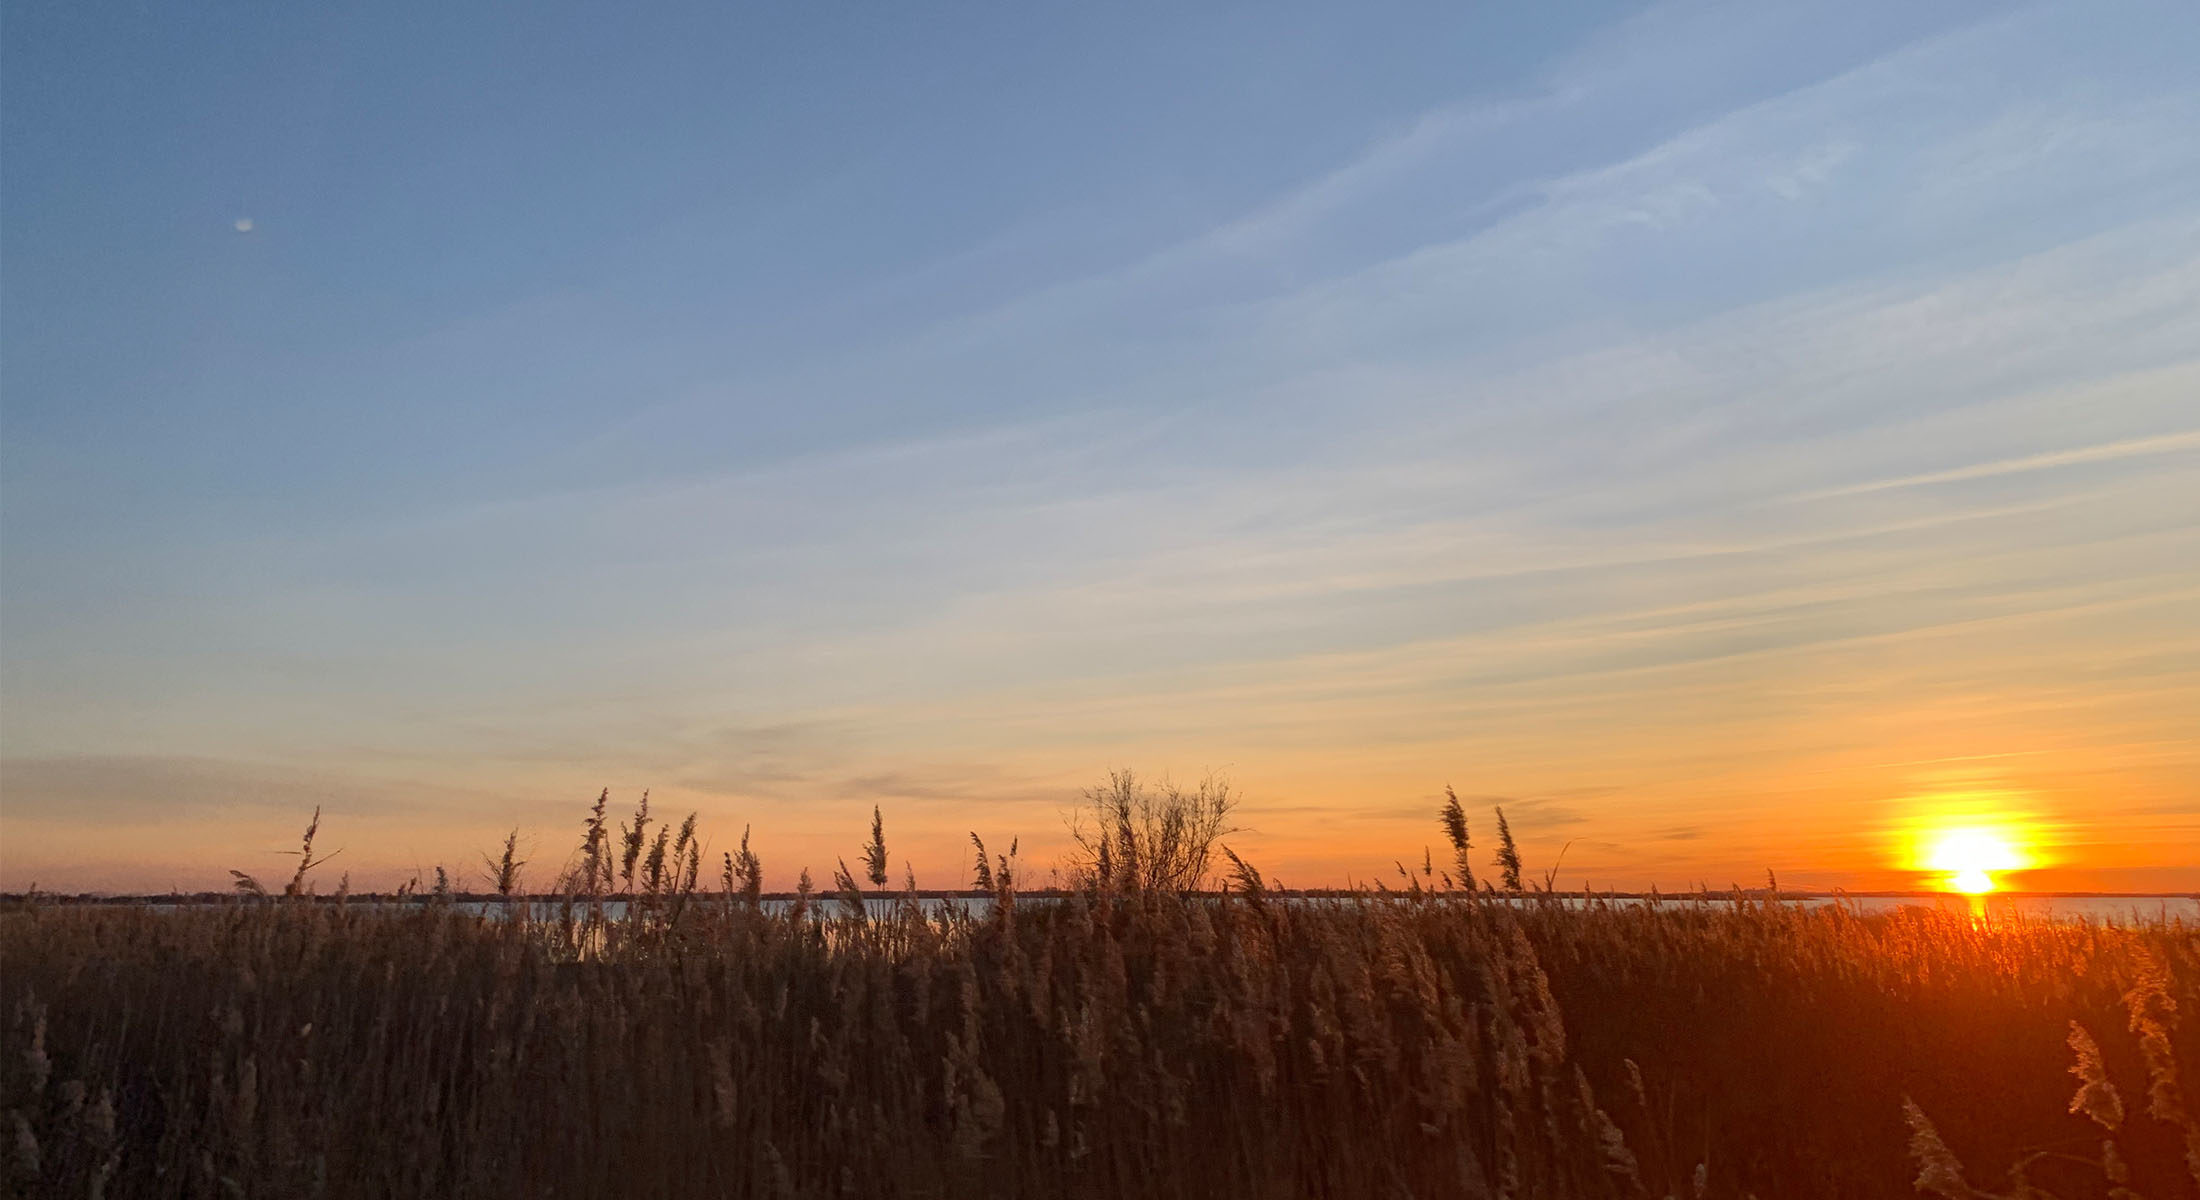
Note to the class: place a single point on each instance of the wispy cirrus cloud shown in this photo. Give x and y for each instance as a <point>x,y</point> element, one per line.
<point>2166,443</point>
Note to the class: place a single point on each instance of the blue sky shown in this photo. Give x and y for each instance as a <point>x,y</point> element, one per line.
<point>1698,425</point>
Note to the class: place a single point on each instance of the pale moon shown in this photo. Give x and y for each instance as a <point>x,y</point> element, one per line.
<point>244,225</point>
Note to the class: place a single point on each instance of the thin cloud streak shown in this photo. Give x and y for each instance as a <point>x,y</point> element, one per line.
<point>2168,443</point>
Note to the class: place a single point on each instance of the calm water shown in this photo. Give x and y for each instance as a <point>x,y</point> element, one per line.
<point>2094,908</point>
<point>2125,909</point>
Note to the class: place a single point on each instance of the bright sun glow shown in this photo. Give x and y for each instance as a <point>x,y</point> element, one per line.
<point>1969,841</point>
<point>1970,856</point>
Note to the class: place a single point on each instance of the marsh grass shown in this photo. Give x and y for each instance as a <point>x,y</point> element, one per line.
<point>1133,1042</point>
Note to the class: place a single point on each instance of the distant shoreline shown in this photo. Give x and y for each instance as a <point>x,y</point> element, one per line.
<point>827,897</point>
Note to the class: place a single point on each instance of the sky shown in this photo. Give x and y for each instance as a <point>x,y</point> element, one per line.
<point>1729,437</point>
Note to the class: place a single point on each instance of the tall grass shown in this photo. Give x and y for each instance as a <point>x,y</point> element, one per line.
<point>1114,1042</point>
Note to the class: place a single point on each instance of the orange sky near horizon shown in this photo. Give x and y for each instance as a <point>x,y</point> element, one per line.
<point>1647,805</point>
<point>1804,754</point>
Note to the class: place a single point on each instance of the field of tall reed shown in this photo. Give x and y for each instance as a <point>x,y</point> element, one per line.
<point>651,1035</point>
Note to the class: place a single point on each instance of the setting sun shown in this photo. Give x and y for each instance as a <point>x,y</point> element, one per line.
<point>1970,856</point>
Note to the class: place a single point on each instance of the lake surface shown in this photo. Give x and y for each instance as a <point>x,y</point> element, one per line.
<point>2118,909</point>
<point>2093,908</point>
<point>2123,909</point>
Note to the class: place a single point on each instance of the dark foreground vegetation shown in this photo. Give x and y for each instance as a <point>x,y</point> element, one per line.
<point>1126,1040</point>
